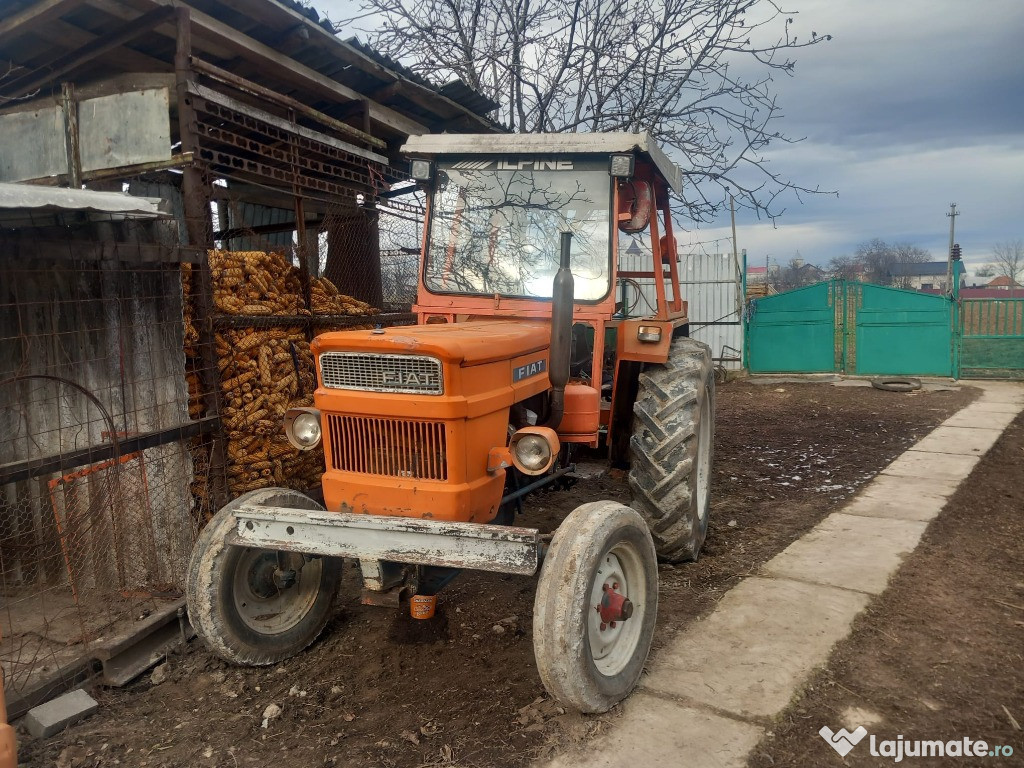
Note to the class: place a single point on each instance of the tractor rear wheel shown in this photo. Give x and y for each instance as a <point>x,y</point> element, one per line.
<point>258,606</point>
<point>596,605</point>
<point>671,449</point>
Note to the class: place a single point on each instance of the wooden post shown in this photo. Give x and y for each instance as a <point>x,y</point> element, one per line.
<point>196,196</point>
<point>70,106</point>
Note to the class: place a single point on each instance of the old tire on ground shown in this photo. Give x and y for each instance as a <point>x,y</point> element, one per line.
<point>600,545</point>
<point>896,384</point>
<point>238,601</point>
<point>671,449</point>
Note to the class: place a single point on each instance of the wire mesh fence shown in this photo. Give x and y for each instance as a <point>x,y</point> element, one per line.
<point>104,458</point>
<point>138,391</point>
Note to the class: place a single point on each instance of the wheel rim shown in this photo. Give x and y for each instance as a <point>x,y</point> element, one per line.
<point>613,645</point>
<point>704,456</point>
<point>262,603</point>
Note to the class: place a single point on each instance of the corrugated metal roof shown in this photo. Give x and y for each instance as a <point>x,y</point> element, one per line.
<point>461,93</point>
<point>456,90</point>
<point>906,269</point>
<point>29,197</point>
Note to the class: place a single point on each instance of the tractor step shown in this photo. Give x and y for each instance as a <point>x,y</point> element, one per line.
<point>499,548</point>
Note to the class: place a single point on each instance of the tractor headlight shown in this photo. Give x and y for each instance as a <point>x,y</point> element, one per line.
<point>302,427</point>
<point>649,333</point>
<point>534,449</point>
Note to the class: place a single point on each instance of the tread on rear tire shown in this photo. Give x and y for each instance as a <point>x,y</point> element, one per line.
<point>671,449</point>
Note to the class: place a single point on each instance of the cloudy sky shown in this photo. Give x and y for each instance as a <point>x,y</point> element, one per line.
<point>912,105</point>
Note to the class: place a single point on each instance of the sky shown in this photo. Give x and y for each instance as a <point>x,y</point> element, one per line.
<point>911,106</point>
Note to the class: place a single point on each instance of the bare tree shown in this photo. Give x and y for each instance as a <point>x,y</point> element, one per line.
<point>797,274</point>
<point>985,270</point>
<point>1008,260</point>
<point>845,268</point>
<point>697,74</point>
<point>878,260</point>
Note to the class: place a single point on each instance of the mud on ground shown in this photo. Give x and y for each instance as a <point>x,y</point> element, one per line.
<point>462,690</point>
<point>940,654</point>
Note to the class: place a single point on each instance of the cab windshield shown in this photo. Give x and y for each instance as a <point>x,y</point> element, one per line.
<point>495,226</point>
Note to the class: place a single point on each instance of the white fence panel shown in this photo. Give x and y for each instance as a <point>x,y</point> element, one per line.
<point>712,285</point>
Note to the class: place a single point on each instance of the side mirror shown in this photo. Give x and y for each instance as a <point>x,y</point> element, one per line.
<point>636,201</point>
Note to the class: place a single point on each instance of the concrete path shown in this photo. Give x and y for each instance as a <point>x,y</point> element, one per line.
<point>713,690</point>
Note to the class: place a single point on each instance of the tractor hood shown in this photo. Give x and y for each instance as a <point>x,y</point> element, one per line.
<point>471,343</point>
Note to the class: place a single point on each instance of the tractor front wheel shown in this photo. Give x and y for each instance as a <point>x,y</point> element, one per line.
<point>671,449</point>
<point>258,606</point>
<point>596,604</point>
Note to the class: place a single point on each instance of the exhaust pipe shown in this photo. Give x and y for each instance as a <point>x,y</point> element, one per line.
<point>561,334</point>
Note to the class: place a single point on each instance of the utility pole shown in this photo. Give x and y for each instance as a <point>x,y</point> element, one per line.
<point>953,213</point>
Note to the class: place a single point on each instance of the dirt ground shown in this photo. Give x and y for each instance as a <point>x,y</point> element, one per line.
<point>380,690</point>
<point>940,654</point>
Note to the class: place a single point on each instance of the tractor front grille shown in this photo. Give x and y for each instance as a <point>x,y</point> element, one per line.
<point>374,372</point>
<point>389,447</point>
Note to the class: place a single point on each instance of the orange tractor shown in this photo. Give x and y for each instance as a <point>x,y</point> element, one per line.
<point>525,355</point>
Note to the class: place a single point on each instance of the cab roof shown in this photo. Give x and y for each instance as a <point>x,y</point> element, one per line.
<point>433,144</point>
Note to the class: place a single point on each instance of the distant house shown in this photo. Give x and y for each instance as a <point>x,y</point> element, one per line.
<point>808,273</point>
<point>927,275</point>
<point>1002,283</point>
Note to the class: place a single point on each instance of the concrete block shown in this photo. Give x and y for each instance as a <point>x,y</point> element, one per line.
<point>932,466</point>
<point>976,416</point>
<point>56,715</point>
<point>751,655</point>
<point>902,498</point>
<point>964,441</point>
<point>655,732</point>
<point>849,551</point>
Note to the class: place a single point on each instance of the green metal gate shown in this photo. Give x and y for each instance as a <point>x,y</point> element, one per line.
<point>793,332</point>
<point>992,339</point>
<point>850,327</point>
<point>899,332</point>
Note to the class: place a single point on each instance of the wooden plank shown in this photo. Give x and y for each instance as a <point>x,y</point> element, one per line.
<point>28,19</point>
<point>286,101</point>
<point>265,196</point>
<point>283,124</point>
<point>16,471</point>
<point>221,38</point>
<point>16,248</point>
<point>65,63</point>
<point>183,160</point>
<point>130,81</point>
<point>61,34</point>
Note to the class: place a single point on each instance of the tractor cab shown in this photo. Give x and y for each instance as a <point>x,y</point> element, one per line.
<point>497,205</point>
